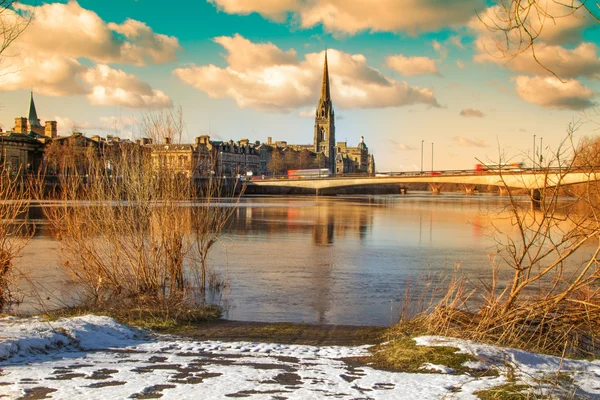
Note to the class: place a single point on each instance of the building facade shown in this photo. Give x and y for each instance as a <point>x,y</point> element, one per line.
<point>30,144</point>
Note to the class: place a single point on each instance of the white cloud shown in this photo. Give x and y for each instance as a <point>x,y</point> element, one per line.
<point>553,24</point>
<point>115,87</point>
<point>64,76</point>
<point>468,142</point>
<point>73,31</point>
<point>308,114</point>
<point>401,146</point>
<point>46,57</point>
<point>437,46</point>
<point>67,125</point>
<point>460,64</point>
<point>243,54</point>
<point>549,21</point>
<point>122,126</point>
<point>266,78</point>
<point>550,92</point>
<point>566,63</point>
<point>457,41</point>
<point>118,123</point>
<point>471,112</point>
<point>353,16</point>
<point>52,75</point>
<point>410,66</point>
<point>273,9</point>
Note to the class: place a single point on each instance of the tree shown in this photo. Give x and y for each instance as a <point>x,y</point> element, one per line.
<point>11,23</point>
<point>163,124</point>
<point>276,165</point>
<point>14,232</point>
<point>587,154</point>
<point>544,289</point>
<point>291,159</point>
<point>517,26</point>
<point>305,159</point>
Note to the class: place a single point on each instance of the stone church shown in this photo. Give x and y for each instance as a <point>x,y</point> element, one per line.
<point>341,159</point>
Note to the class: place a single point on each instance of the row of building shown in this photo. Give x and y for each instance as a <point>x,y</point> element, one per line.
<point>30,146</point>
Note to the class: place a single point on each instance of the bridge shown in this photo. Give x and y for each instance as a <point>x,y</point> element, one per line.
<point>520,179</point>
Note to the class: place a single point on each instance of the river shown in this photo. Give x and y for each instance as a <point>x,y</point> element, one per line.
<point>336,260</point>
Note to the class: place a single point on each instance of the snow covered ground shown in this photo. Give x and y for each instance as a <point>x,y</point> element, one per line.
<point>93,357</point>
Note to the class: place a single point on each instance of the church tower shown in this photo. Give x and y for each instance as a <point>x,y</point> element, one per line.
<point>325,122</point>
<point>34,122</point>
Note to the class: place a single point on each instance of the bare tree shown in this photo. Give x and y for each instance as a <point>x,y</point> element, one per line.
<point>518,25</point>
<point>543,290</point>
<point>218,203</point>
<point>588,153</point>
<point>164,124</point>
<point>11,24</point>
<point>276,165</point>
<point>14,231</point>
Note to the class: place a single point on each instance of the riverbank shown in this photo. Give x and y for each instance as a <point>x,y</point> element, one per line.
<point>285,333</point>
<point>97,358</point>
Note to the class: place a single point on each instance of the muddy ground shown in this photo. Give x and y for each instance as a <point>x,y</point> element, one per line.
<point>288,333</point>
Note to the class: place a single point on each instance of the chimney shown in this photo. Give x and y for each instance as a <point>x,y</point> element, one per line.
<point>167,140</point>
<point>51,129</point>
<point>269,140</point>
<point>203,140</point>
<point>20,125</point>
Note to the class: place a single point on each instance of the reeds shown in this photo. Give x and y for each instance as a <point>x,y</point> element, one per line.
<point>544,290</point>
<point>14,232</point>
<point>134,231</point>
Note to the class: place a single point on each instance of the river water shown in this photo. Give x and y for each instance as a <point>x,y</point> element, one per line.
<point>338,260</point>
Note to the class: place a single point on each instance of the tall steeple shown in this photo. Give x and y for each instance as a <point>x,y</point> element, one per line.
<point>325,94</point>
<point>324,141</point>
<point>33,118</point>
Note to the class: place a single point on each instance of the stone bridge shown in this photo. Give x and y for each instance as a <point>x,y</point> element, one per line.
<point>522,179</point>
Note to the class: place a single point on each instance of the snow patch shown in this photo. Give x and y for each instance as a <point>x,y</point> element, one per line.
<point>437,368</point>
<point>22,337</point>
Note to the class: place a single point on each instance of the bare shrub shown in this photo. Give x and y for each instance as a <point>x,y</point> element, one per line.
<point>209,219</point>
<point>544,290</point>
<point>130,232</point>
<point>14,231</point>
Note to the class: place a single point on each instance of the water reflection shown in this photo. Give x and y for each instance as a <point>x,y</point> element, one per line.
<point>344,260</point>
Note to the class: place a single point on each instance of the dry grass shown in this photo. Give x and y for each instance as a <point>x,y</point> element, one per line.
<point>543,290</point>
<point>508,391</point>
<point>127,229</point>
<point>165,317</point>
<point>14,232</point>
<point>403,354</point>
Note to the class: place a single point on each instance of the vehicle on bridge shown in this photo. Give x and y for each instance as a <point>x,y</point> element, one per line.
<point>480,168</point>
<point>308,173</point>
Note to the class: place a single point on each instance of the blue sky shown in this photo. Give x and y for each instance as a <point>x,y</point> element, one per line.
<point>403,72</point>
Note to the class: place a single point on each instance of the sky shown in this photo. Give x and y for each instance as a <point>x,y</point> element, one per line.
<point>419,79</point>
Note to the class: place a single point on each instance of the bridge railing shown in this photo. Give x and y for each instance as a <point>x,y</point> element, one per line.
<point>453,172</point>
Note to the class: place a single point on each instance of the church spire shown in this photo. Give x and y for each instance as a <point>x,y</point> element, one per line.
<point>325,95</point>
<point>33,118</point>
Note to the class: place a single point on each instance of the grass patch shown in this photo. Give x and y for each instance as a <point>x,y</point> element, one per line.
<point>403,354</point>
<point>159,318</point>
<point>508,391</point>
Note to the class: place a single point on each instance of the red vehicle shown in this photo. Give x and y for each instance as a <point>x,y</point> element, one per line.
<point>308,173</point>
